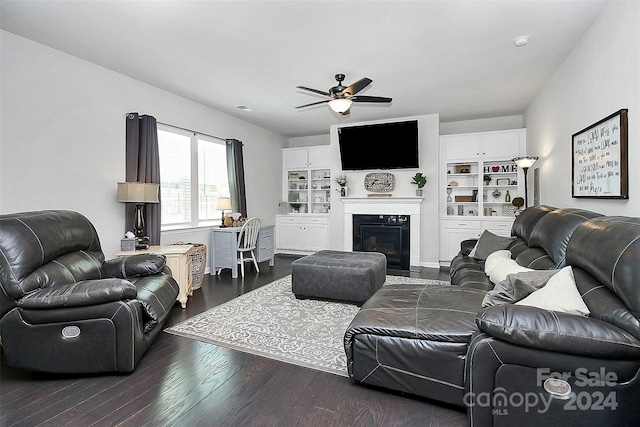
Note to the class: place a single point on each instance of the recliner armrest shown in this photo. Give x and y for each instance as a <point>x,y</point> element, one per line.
<point>557,331</point>
<point>466,246</point>
<point>84,293</point>
<point>144,264</point>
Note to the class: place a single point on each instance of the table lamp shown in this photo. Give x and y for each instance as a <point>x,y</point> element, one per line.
<point>138,193</point>
<point>222,204</point>
<point>525,162</point>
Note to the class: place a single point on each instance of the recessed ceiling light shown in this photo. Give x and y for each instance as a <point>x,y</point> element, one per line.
<point>521,41</point>
<point>244,108</point>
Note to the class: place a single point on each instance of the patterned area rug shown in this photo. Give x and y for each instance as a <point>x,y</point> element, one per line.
<point>271,322</point>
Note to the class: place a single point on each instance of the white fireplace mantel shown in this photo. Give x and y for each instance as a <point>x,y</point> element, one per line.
<point>385,206</point>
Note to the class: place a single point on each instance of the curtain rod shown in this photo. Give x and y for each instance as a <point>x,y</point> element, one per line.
<point>131,116</point>
<point>193,131</point>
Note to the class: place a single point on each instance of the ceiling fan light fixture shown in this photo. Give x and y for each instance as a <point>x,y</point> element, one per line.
<point>340,105</point>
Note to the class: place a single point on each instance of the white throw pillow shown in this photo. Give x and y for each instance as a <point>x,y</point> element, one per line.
<point>504,268</point>
<point>494,259</point>
<point>559,294</point>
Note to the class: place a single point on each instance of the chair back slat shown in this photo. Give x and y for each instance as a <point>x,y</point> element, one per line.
<point>248,237</point>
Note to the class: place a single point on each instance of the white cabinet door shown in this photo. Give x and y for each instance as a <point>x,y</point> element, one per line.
<point>316,233</point>
<point>505,144</point>
<point>302,233</point>
<point>452,240</point>
<point>316,237</point>
<point>295,158</point>
<point>319,157</point>
<point>289,234</point>
<point>460,147</point>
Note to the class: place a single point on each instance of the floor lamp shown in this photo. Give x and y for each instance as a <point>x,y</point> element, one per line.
<point>138,193</point>
<point>525,162</point>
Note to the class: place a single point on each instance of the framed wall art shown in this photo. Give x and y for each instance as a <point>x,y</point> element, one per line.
<point>599,164</point>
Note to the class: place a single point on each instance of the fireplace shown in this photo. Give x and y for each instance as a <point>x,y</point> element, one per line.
<point>409,206</point>
<point>387,234</point>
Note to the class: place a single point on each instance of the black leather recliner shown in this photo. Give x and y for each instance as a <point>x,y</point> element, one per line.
<point>63,309</point>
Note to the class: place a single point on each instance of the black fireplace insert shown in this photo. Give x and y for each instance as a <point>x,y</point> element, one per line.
<point>388,234</point>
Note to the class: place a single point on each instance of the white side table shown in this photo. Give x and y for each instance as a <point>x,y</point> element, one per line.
<point>179,261</point>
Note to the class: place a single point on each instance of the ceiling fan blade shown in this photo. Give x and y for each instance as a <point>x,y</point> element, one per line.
<point>314,90</point>
<point>370,99</point>
<point>357,86</point>
<point>314,103</point>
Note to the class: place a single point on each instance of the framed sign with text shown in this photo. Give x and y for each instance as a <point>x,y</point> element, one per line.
<point>599,165</point>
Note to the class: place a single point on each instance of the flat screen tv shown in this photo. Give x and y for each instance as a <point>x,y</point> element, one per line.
<point>379,146</point>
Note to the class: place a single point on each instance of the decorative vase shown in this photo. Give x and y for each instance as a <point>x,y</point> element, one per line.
<point>344,191</point>
<point>418,191</point>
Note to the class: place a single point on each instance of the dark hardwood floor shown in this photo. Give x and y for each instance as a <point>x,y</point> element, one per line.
<point>183,382</point>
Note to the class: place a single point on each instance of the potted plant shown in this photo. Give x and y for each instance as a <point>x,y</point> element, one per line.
<point>486,179</point>
<point>420,180</point>
<point>342,182</point>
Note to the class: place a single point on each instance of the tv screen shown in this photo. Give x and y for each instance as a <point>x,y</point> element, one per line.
<point>379,146</point>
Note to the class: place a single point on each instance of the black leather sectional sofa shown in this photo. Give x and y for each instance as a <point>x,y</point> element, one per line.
<point>516,364</point>
<point>64,309</point>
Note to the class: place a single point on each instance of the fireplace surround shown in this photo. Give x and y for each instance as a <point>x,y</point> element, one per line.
<point>399,206</point>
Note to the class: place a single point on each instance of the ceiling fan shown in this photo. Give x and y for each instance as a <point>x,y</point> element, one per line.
<point>343,96</point>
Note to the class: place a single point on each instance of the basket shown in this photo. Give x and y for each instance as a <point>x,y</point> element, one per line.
<point>198,263</point>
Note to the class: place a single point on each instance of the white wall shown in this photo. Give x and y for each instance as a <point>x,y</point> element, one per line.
<point>482,125</point>
<point>306,141</point>
<point>598,78</point>
<point>63,138</point>
<point>428,151</point>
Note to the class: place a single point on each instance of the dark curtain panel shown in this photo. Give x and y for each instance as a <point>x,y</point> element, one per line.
<point>235,169</point>
<point>143,165</point>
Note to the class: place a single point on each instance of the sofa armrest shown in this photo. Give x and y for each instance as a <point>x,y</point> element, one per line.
<point>557,331</point>
<point>84,293</point>
<point>466,246</point>
<point>144,264</point>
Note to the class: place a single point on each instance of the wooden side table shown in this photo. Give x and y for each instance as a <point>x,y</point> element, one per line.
<point>179,261</point>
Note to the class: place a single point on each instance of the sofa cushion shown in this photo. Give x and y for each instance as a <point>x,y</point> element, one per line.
<point>557,331</point>
<point>488,244</point>
<point>553,231</point>
<point>47,248</point>
<point>504,268</point>
<point>517,286</point>
<point>559,294</point>
<point>414,338</point>
<point>609,249</point>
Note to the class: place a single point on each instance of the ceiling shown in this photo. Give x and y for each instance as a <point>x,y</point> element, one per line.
<point>453,58</point>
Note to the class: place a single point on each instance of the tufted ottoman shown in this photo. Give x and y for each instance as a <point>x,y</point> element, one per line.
<point>337,275</point>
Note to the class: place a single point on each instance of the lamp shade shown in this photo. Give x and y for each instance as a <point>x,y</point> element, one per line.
<point>525,162</point>
<point>223,203</point>
<point>138,192</point>
<point>340,105</point>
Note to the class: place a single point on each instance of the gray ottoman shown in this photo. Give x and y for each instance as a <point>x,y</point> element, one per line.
<point>337,275</point>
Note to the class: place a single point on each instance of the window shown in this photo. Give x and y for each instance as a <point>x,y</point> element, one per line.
<point>193,174</point>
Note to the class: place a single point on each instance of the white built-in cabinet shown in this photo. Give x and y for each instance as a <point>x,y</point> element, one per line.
<point>307,200</point>
<point>302,233</point>
<point>467,204</point>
